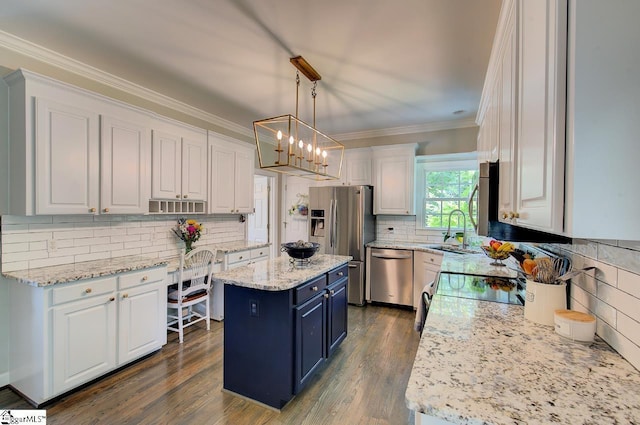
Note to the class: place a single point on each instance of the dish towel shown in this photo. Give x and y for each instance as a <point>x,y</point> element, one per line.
<point>421,311</point>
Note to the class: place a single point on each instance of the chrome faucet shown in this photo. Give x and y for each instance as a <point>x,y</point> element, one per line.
<point>464,228</point>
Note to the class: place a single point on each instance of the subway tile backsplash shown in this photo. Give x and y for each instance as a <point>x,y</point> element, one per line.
<point>611,292</point>
<point>31,242</point>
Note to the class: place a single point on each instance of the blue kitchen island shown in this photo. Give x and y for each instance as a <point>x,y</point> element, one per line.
<point>283,321</point>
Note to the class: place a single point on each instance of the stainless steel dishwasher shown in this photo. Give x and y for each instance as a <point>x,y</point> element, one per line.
<point>391,276</point>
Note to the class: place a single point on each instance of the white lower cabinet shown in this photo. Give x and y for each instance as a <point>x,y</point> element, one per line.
<point>74,333</point>
<point>426,266</point>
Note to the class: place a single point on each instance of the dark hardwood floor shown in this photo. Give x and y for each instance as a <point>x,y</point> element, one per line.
<point>363,383</point>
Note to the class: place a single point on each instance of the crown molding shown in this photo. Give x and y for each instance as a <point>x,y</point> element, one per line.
<point>397,131</point>
<point>50,57</point>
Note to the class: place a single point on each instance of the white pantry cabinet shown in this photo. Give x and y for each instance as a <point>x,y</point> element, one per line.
<point>72,151</point>
<point>231,165</point>
<point>179,161</point>
<point>76,332</point>
<point>393,176</point>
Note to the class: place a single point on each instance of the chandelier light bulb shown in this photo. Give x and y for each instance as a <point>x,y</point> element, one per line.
<point>300,144</point>
<point>279,135</point>
<point>291,140</point>
<point>309,148</point>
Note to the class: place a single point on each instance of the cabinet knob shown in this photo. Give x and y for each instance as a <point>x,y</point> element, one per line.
<point>505,215</point>
<point>326,296</point>
<point>260,253</point>
<point>185,196</point>
<point>513,214</point>
<point>314,288</point>
<point>106,210</point>
<point>232,210</point>
<point>177,196</point>
<point>87,291</point>
<point>112,299</point>
<point>340,273</point>
<point>241,257</point>
<point>332,292</point>
<point>125,295</point>
<point>92,210</point>
<point>145,277</point>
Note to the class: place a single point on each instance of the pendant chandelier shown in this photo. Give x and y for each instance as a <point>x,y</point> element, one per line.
<point>288,145</point>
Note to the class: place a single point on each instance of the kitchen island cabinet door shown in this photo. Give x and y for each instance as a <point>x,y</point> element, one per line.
<point>67,141</point>
<point>311,339</point>
<point>84,341</point>
<point>336,315</point>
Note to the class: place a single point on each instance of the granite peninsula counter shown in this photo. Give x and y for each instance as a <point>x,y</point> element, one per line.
<point>481,362</point>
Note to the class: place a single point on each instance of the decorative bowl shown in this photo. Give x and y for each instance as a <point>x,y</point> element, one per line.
<point>295,250</point>
<point>498,256</point>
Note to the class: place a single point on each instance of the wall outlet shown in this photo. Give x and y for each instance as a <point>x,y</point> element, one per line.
<point>51,245</point>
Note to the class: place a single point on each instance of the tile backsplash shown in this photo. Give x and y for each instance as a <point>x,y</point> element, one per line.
<point>611,292</point>
<point>400,228</point>
<point>40,241</point>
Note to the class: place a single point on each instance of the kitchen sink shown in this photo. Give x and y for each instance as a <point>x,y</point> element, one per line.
<point>454,249</point>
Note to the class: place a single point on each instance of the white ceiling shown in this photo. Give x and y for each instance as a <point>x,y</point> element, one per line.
<point>385,64</point>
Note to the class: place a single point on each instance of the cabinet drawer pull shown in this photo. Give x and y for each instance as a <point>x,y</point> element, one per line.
<point>125,295</point>
<point>145,278</point>
<point>112,299</point>
<point>314,288</point>
<point>340,273</point>
<point>87,291</point>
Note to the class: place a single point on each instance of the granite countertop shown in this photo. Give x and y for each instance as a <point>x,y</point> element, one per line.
<point>47,276</point>
<point>173,263</point>
<point>481,362</point>
<point>478,263</point>
<point>279,274</point>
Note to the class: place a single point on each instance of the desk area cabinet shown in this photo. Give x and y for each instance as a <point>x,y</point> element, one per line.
<point>69,334</point>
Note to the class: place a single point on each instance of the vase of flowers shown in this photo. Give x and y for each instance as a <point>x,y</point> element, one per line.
<point>189,231</point>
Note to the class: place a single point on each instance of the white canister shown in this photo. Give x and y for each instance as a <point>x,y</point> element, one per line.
<point>575,325</point>
<point>542,300</point>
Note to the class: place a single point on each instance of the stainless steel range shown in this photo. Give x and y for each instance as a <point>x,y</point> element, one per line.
<point>485,288</point>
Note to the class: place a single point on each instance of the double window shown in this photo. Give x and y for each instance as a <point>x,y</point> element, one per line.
<point>444,183</point>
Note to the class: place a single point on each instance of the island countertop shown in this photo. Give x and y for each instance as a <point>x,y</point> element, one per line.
<point>279,274</point>
<point>481,362</point>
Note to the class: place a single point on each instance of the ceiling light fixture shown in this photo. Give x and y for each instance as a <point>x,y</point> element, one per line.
<point>288,145</point>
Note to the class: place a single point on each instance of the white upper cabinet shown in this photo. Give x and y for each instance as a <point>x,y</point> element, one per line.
<point>357,167</point>
<point>231,165</point>
<point>72,151</point>
<point>566,160</point>
<point>541,110</point>
<point>67,169</point>
<point>603,152</point>
<point>393,174</point>
<point>125,165</point>
<point>179,161</point>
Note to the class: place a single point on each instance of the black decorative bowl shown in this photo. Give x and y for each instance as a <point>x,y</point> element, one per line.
<point>299,252</point>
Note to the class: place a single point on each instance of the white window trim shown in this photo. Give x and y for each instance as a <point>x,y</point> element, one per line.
<point>459,161</point>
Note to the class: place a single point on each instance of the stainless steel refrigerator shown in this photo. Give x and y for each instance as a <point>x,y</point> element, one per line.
<point>342,222</point>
